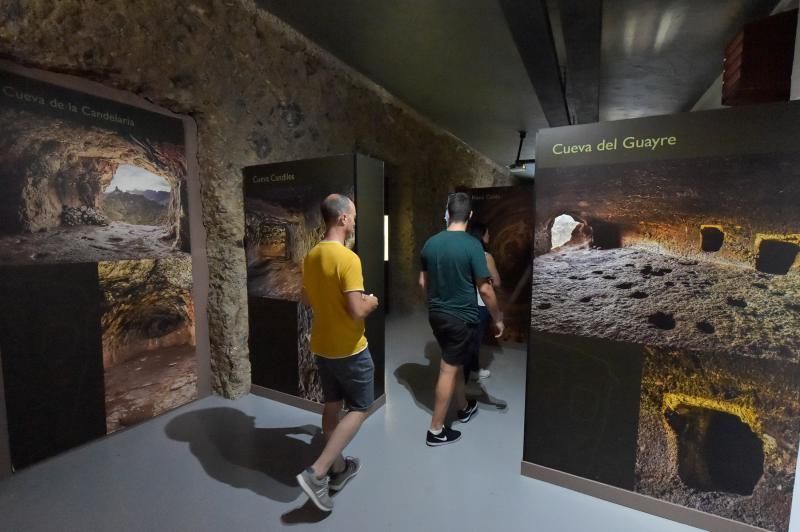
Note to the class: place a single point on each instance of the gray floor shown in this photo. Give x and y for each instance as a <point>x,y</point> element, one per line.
<point>230,465</point>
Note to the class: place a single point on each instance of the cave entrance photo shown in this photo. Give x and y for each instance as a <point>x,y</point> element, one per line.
<point>137,197</point>
<point>563,229</point>
<point>712,238</point>
<point>776,256</point>
<point>74,189</point>
<point>717,451</point>
<point>689,256</point>
<point>100,331</point>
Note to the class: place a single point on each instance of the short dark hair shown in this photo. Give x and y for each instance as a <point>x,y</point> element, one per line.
<point>477,229</point>
<point>459,206</point>
<point>332,207</point>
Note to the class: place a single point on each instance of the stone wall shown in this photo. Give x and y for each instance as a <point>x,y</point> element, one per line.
<point>260,92</point>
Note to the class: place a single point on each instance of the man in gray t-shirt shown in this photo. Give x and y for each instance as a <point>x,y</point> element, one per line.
<point>453,265</point>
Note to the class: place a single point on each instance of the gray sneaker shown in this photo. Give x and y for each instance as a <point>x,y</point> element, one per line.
<point>316,489</point>
<point>351,467</point>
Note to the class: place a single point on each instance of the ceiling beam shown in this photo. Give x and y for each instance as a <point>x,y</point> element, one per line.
<point>581,23</point>
<point>530,27</point>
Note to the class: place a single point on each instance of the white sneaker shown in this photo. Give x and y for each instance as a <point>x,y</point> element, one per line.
<point>480,374</point>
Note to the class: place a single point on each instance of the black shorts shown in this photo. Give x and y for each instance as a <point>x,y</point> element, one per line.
<point>456,337</point>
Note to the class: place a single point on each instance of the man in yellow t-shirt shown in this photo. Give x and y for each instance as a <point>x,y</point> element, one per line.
<point>333,285</point>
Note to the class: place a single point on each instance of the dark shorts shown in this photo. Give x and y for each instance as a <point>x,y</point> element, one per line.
<point>456,338</point>
<point>350,379</point>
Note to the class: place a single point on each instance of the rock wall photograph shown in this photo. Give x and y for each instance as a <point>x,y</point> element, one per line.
<point>507,212</point>
<point>94,206</point>
<point>639,265</point>
<point>279,233</point>
<point>149,356</point>
<point>282,223</point>
<point>689,262</point>
<point>719,433</point>
<point>75,187</point>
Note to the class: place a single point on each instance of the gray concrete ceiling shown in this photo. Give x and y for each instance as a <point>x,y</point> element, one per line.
<point>460,62</point>
<point>660,56</point>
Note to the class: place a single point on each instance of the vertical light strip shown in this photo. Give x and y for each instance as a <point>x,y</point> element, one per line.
<point>385,238</point>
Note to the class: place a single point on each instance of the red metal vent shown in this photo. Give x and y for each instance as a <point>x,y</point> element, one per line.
<point>758,61</point>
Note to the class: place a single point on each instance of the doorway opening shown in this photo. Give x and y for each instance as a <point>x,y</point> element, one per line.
<point>137,197</point>
<point>717,451</point>
<point>712,238</point>
<point>561,232</point>
<point>776,256</point>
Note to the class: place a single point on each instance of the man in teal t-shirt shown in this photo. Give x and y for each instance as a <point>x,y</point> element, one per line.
<point>453,265</point>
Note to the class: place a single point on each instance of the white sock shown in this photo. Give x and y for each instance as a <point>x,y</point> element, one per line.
<point>436,432</point>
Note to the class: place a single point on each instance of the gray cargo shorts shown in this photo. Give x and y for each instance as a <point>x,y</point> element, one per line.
<point>350,379</point>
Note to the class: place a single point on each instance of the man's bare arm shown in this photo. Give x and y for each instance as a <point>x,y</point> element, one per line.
<point>423,282</point>
<point>360,305</point>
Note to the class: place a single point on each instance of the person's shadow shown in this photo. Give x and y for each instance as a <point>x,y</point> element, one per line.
<point>420,381</point>
<point>233,450</point>
<point>477,390</point>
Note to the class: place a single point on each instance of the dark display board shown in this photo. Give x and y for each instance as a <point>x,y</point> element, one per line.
<point>664,343</point>
<point>507,212</point>
<point>282,223</point>
<point>52,358</point>
<point>97,327</point>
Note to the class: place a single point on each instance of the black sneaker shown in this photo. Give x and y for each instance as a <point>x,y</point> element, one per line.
<point>469,411</point>
<point>447,435</point>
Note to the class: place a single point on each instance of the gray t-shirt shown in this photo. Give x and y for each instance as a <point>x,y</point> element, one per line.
<point>454,261</point>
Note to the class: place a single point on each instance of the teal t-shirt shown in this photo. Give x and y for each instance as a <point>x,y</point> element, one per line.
<point>454,261</point>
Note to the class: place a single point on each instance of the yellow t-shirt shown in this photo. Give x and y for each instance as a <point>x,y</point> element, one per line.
<point>330,270</point>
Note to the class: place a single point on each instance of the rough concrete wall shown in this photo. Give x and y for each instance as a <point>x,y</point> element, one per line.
<point>260,92</point>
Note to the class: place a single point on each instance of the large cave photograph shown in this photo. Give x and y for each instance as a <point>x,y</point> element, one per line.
<point>697,254</point>
<point>148,335</point>
<point>695,260</point>
<point>82,189</point>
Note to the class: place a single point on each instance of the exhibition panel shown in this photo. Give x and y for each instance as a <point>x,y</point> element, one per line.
<point>664,349</point>
<point>507,213</point>
<point>98,325</point>
<point>282,223</point>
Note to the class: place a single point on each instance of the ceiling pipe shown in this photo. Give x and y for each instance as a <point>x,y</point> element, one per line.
<point>519,164</point>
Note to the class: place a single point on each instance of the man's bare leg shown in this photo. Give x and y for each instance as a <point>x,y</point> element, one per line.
<point>338,433</point>
<point>331,414</point>
<point>445,388</point>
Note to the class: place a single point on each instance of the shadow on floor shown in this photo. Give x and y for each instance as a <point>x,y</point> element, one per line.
<point>420,381</point>
<point>308,513</point>
<point>233,450</point>
<point>477,390</point>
